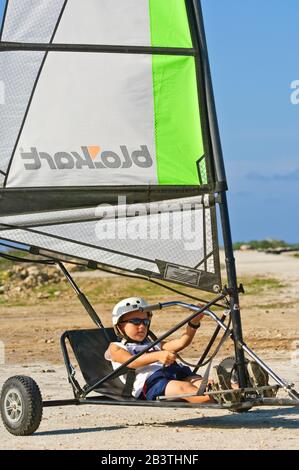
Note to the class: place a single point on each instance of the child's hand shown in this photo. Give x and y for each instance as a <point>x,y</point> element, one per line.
<point>200,316</point>
<point>166,357</point>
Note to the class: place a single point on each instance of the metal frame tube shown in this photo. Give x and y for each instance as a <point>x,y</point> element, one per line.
<point>82,297</point>
<point>170,404</point>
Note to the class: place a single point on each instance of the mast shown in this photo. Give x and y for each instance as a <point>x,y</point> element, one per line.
<point>233,290</point>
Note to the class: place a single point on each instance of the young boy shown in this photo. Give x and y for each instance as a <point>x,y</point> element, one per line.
<point>157,372</point>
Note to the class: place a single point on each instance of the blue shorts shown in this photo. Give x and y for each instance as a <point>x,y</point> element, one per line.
<point>155,385</point>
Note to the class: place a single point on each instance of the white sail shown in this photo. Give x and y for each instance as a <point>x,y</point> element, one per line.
<point>106,100</point>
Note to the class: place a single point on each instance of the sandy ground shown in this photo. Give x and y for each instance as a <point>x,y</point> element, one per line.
<point>271,327</point>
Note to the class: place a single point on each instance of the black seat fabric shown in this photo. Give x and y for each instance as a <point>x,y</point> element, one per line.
<point>89,347</point>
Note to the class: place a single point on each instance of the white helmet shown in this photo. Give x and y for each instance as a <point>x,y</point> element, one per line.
<point>130,304</point>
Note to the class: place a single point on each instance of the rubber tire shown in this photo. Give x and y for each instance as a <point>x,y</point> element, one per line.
<point>32,405</point>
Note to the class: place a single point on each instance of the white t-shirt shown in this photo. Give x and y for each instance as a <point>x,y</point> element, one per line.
<point>142,373</point>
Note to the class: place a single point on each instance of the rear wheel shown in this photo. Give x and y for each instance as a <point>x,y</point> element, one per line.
<point>21,405</point>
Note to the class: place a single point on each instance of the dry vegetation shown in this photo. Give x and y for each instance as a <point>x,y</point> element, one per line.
<point>39,305</point>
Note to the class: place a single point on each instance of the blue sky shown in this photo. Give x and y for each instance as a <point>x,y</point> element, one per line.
<point>253,54</point>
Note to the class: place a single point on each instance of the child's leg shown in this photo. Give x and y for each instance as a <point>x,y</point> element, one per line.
<point>182,387</point>
<point>196,380</point>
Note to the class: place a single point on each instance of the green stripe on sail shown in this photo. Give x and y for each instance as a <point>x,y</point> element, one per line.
<point>169,24</point>
<point>179,143</point>
<point>178,135</point>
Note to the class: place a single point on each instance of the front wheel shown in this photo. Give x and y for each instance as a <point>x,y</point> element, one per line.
<point>21,405</point>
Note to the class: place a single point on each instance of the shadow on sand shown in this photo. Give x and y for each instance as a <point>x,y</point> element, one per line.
<point>255,419</point>
<point>64,432</point>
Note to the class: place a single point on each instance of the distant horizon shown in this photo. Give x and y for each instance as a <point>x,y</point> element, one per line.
<point>221,246</point>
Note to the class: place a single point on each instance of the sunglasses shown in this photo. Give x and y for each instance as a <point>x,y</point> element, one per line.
<point>137,321</point>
